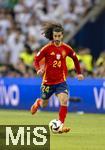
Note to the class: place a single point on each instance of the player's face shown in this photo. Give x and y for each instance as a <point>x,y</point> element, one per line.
<point>57,37</point>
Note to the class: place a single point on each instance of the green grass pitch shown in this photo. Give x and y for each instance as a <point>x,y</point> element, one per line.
<point>87,130</point>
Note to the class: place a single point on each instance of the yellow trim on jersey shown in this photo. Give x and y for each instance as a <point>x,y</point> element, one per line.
<point>44,76</point>
<point>45,46</point>
<point>68,46</point>
<point>64,76</point>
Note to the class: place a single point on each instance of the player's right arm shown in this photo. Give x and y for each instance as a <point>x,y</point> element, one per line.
<point>40,55</point>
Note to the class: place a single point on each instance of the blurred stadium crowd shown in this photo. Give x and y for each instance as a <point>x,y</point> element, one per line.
<point>21,36</point>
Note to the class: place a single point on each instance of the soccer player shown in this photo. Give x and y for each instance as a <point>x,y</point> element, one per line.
<point>55,70</point>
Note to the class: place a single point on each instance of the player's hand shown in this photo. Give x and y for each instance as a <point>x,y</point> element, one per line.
<point>40,72</point>
<point>80,76</point>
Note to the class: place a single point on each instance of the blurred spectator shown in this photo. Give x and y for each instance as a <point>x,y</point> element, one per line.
<point>5,22</point>
<point>56,11</point>
<point>99,67</point>
<point>82,7</point>
<point>19,7</point>
<point>86,58</point>
<point>16,45</point>
<point>27,56</point>
<point>3,51</point>
<point>23,17</point>
<point>86,62</point>
<point>32,42</point>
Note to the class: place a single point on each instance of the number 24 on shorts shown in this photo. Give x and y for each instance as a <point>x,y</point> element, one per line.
<point>45,88</point>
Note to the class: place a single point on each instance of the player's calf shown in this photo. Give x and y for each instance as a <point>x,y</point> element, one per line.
<point>44,103</point>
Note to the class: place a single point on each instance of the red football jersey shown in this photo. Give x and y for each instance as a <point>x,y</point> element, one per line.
<point>55,62</point>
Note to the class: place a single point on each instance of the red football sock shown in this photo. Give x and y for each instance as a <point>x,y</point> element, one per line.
<point>62,113</point>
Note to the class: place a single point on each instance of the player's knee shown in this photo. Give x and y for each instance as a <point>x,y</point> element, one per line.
<point>63,99</point>
<point>65,102</point>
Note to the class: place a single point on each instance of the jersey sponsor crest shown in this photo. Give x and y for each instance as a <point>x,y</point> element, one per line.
<point>58,56</point>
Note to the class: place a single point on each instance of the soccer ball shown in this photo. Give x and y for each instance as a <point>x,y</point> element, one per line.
<point>55,125</point>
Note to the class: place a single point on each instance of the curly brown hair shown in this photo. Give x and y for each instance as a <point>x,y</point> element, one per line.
<point>49,27</point>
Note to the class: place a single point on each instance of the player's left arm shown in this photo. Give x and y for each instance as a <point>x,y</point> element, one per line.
<point>72,54</point>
